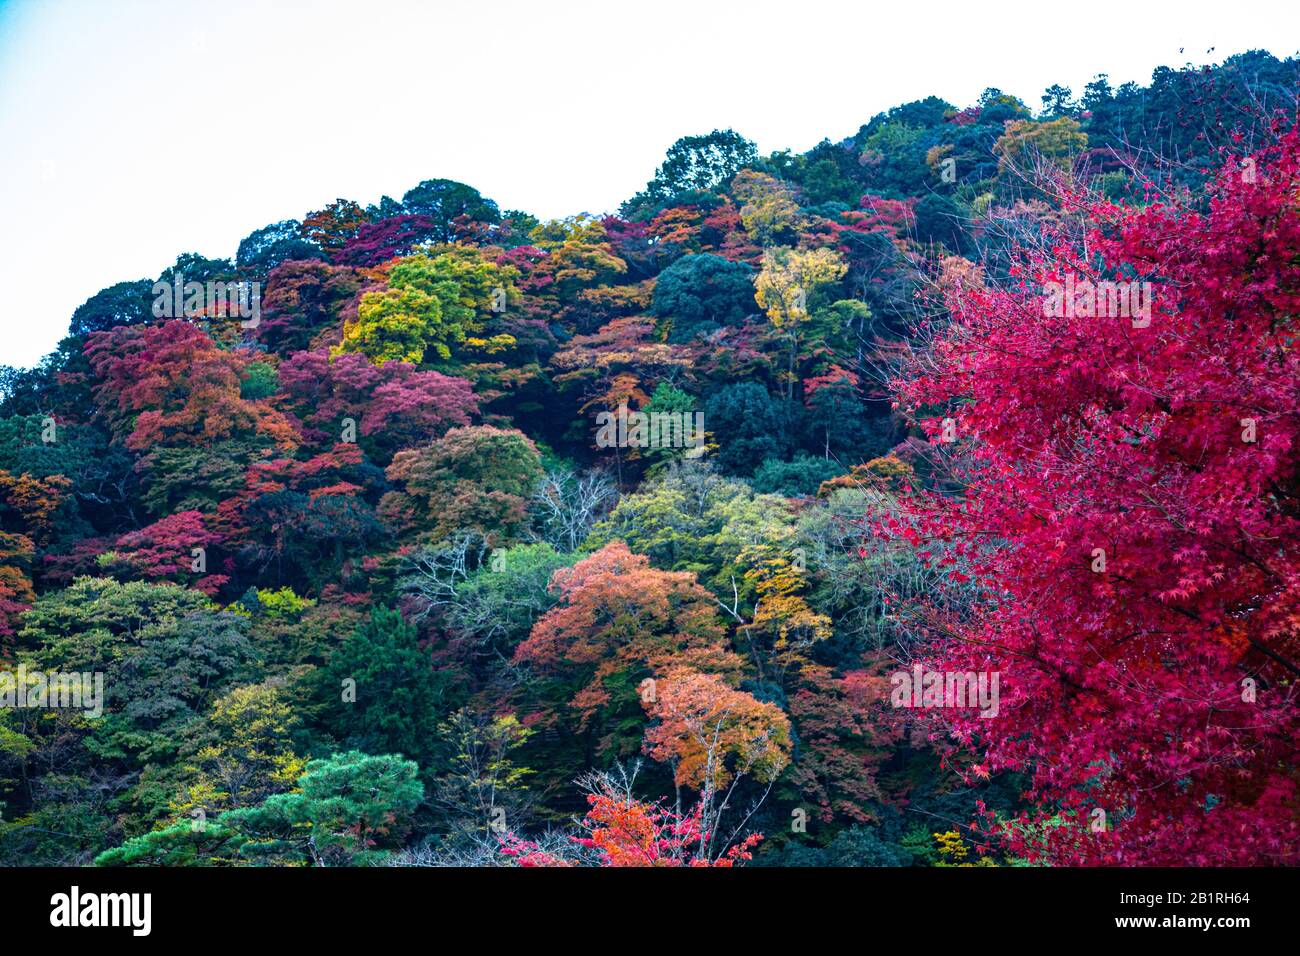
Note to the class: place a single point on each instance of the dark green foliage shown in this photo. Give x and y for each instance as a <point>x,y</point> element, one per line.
<point>700,293</point>
<point>193,267</point>
<point>836,425</point>
<point>351,809</point>
<point>694,164</point>
<point>126,303</point>
<point>171,676</point>
<point>398,696</point>
<point>444,201</point>
<point>299,537</point>
<point>802,475</point>
<point>263,250</point>
<point>941,219</point>
<point>749,424</point>
<point>855,847</point>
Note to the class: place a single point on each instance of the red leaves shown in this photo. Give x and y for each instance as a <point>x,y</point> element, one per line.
<point>627,832</point>
<point>393,404</point>
<point>166,550</point>
<point>171,384</point>
<point>834,378</point>
<point>1173,452</point>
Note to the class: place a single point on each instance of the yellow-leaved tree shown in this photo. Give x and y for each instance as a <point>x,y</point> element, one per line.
<point>433,301</point>
<point>791,283</point>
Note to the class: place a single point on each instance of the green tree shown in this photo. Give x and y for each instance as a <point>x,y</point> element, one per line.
<point>261,251</point>
<point>749,426</point>
<point>491,607</point>
<point>380,691</point>
<point>476,478</point>
<point>483,791</point>
<point>243,752</point>
<point>699,294</point>
<point>693,519</point>
<point>349,809</point>
<point>444,201</point>
<point>801,476</point>
<point>432,302</point>
<point>125,303</point>
<point>97,621</point>
<point>693,164</point>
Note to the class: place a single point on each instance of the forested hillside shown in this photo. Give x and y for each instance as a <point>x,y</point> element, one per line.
<point>425,532</point>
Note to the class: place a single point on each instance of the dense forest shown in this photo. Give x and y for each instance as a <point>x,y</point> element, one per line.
<point>429,533</point>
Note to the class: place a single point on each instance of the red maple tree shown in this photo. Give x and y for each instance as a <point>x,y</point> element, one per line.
<point>1131,511</point>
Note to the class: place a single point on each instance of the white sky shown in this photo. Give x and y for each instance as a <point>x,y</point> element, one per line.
<point>132,131</point>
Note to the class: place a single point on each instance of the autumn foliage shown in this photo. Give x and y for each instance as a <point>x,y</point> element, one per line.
<point>1130,506</point>
<point>1000,393</point>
